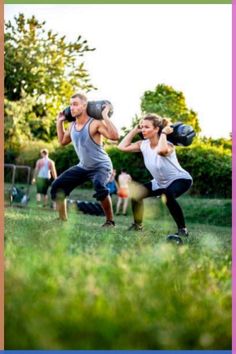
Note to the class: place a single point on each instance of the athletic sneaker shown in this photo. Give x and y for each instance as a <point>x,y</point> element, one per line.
<point>136,227</point>
<point>174,239</point>
<point>182,232</point>
<point>109,223</point>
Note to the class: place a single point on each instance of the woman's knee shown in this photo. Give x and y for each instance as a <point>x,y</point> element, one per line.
<point>179,187</point>
<point>169,197</point>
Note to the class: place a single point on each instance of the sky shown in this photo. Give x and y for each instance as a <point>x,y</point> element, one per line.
<point>188,47</point>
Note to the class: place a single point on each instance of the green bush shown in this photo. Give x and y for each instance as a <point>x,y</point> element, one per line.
<point>210,166</point>
<point>26,155</point>
<point>133,163</point>
<point>64,157</point>
<point>10,154</point>
<point>30,152</point>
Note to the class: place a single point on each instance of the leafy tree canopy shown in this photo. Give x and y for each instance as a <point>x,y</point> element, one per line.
<point>167,102</point>
<point>44,66</point>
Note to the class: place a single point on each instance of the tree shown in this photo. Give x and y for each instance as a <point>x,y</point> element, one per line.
<point>41,65</point>
<point>167,102</point>
<point>15,130</point>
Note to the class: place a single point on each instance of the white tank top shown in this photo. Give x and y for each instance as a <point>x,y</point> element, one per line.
<point>44,171</point>
<point>164,169</point>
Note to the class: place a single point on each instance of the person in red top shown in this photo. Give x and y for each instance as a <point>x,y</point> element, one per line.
<point>44,170</point>
<point>123,192</point>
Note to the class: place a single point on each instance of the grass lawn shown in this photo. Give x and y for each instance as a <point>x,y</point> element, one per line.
<point>74,285</point>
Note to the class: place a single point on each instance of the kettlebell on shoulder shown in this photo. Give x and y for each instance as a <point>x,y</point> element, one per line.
<point>94,110</point>
<point>182,134</point>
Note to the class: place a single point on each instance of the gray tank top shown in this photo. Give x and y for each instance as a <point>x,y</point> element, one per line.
<point>91,155</point>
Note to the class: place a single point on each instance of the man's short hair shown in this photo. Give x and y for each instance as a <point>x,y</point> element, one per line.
<point>81,96</point>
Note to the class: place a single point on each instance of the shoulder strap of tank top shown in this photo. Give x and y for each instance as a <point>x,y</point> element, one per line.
<point>85,125</point>
<point>143,142</point>
<point>39,163</point>
<point>90,120</point>
<point>71,126</point>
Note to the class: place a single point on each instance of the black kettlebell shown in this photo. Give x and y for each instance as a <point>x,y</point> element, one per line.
<point>67,114</point>
<point>182,134</point>
<point>94,110</point>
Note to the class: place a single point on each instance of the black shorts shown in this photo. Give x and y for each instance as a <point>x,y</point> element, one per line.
<point>42,185</point>
<point>76,176</point>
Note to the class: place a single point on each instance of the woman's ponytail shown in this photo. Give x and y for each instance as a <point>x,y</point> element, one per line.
<point>165,122</point>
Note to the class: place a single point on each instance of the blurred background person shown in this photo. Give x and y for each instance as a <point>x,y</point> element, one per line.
<point>44,171</point>
<point>123,192</point>
<point>112,185</point>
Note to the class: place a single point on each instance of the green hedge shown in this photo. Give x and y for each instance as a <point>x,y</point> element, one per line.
<point>27,155</point>
<point>210,166</point>
<point>30,152</point>
<point>64,157</point>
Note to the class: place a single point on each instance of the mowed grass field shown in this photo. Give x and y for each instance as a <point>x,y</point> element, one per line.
<point>75,285</point>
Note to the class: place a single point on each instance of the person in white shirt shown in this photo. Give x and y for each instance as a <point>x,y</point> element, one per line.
<point>44,170</point>
<point>169,178</point>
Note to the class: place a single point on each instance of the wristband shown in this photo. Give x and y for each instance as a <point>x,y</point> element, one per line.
<point>163,133</point>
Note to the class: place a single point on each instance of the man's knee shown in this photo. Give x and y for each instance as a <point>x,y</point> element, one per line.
<point>100,195</point>
<point>53,190</point>
<point>101,191</point>
<point>57,192</point>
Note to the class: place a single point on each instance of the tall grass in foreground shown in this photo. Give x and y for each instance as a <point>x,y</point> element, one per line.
<point>75,285</point>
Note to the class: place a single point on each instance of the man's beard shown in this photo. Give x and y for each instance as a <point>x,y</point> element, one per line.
<point>78,114</point>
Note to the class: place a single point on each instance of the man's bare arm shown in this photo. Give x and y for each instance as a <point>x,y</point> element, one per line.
<point>62,134</point>
<point>106,127</point>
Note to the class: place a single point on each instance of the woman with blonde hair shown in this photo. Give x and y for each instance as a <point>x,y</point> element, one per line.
<point>169,178</point>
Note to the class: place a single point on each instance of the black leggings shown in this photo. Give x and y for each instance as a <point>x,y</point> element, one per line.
<point>173,191</point>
